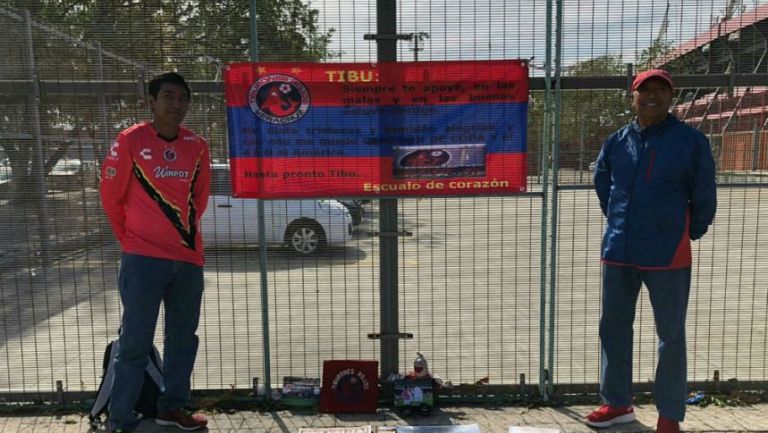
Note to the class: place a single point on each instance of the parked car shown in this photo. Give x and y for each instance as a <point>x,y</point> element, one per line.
<point>303,225</point>
<point>6,174</point>
<point>71,174</point>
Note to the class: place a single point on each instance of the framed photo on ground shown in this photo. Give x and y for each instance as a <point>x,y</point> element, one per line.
<point>349,386</point>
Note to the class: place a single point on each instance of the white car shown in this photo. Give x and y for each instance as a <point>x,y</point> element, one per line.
<point>6,172</point>
<point>303,225</point>
<point>71,174</point>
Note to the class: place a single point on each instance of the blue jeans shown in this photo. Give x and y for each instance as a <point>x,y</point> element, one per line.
<point>668,291</point>
<point>144,283</point>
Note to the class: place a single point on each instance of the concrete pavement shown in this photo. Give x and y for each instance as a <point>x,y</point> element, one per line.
<point>566,419</point>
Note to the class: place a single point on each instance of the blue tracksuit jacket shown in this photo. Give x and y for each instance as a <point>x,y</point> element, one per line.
<point>657,188</point>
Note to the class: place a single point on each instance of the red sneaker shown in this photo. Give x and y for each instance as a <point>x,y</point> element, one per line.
<point>181,420</point>
<point>665,425</point>
<point>606,416</point>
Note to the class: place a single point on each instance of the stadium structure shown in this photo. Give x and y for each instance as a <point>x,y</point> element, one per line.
<point>735,118</point>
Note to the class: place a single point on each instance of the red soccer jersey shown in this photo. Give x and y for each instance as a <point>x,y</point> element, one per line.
<point>154,192</point>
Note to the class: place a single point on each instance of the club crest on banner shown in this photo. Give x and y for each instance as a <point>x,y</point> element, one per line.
<point>278,99</point>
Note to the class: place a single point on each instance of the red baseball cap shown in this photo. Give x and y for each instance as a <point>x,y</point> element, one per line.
<point>651,73</point>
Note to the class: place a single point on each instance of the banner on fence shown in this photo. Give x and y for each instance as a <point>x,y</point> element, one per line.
<point>387,129</point>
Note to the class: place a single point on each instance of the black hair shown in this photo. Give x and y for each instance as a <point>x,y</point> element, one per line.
<point>168,77</point>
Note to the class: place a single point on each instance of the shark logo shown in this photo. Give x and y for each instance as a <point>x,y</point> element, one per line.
<point>279,99</point>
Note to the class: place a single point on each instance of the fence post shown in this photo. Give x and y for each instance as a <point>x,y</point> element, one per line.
<point>546,142</point>
<point>755,147</point>
<point>254,51</point>
<point>38,155</point>
<point>555,195</point>
<point>100,150</point>
<point>386,24</point>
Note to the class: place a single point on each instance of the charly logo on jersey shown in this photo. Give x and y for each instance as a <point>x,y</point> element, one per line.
<point>278,98</point>
<point>169,155</point>
<point>146,153</point>
<point>113,150</point>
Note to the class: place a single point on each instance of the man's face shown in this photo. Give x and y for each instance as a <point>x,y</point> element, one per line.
<point>171,104</point>
<point>651,101</point>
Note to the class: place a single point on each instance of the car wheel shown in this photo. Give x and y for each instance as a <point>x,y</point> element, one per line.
<point>305,237</point>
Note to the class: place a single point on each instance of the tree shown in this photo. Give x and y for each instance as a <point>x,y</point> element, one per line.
<point>654,55</point>
<point>171,34</point>
<point>589,116</point>
<point>286,30</point>
<point>127,38</point>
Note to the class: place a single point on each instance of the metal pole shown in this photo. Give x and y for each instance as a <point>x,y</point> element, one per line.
<point>544,202</point>
<point>38,156</point>
<point>254,46</point>
<point>386,25</point>
<point>755,147</point>
<point>99,150</point>
<point>581,149</point>
<point>254,51</point>
<point>555,194</point>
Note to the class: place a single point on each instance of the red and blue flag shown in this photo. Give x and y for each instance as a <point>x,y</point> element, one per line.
<point>299,130</point>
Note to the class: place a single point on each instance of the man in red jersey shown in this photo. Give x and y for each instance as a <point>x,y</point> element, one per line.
<point>154,189</point>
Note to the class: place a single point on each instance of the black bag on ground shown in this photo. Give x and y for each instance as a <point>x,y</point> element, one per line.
<point>153,386</point>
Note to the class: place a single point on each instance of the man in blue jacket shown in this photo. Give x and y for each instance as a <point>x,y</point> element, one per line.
<point>655,179</point>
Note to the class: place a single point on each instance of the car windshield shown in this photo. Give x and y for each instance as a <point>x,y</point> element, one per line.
<point>66,166</point>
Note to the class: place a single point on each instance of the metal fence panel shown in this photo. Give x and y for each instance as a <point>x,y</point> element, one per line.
<point>470,269</point>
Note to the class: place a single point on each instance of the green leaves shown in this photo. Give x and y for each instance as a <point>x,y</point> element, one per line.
<point>190,36</point>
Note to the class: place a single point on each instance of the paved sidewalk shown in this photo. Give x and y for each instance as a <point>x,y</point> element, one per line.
<point>566,419</point>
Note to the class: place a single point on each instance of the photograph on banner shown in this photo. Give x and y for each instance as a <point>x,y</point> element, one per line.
<point>302,130</point>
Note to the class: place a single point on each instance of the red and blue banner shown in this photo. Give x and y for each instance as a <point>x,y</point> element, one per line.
<point>300,130</point>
